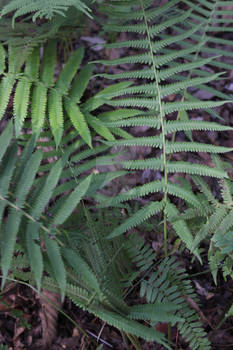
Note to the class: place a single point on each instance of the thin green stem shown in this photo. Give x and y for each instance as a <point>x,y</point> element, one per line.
<point>45,229</point>
<point>134,341</point>
<point>125,340</point>
<point>161,114</point>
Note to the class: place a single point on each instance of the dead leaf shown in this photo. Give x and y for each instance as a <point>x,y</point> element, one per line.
<point>48,315</point>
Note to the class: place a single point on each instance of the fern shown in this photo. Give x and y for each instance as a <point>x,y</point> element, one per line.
<point>43,181</point>
<point>165,73</point>
<point>57,99</point>
<point>170,283</point>
<point>25,195</point>
<point>216,225</point>
<point>42,9</point>
<point>97,285</point>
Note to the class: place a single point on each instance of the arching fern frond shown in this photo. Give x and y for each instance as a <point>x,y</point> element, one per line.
<point>40,9</point>
<point>37,95</point>
<point>165,65</point>
<point>31,209</point>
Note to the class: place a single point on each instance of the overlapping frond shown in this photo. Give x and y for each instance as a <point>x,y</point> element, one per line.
<point>44,8</point>
<point>170,283</point>
<point>28,193</point>
<point>37,95</point>
<point>162,69</point>
<point>216,221</point>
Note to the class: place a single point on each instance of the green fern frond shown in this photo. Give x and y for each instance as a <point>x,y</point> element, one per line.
<point>156,312</point>
<point>170,283</point>
<point>141,215</point>
<point>164,74</point>
<point>37,95</point>
<point>26,193</point>
<point>195,147</point>
<point>211,225</point>
<point>14,218</point>
<point>47,9</point>
<point>174,167</point>
<point>130,326</point>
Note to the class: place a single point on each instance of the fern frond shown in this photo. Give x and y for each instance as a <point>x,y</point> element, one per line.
<point>130,326</point>
<point>174,167</point>
<point>43,8</point>
<point>14,219</point>
<point>142,215</point>
<point>36,94</point>
<point>161,312</point>
<point>27,193</point>
<point>210,227</point>
<point>195,147</point>
<point>165,71</point>
<point>170,283</point>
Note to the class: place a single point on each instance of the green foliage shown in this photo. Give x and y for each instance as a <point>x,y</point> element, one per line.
<point>99,271</point>
<point>27,188</point>
<point>45,168</point>
<point>216,227</point>
<point>170,283</point>
<point>43,8</point>
<point>38,95</point>
<point>160,73</point>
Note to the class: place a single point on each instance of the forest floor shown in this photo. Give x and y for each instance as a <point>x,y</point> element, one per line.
<point>28,321</point>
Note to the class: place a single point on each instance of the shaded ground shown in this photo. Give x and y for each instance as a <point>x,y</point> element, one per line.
<point>28,322</point>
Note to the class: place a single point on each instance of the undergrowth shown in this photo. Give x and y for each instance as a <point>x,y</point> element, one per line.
<point>59,229</point>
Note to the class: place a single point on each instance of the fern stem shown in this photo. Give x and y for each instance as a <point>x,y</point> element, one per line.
<point>163,132</point>
<point>31,218</point>
<point>134,341</point>
<point>125,340</point>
